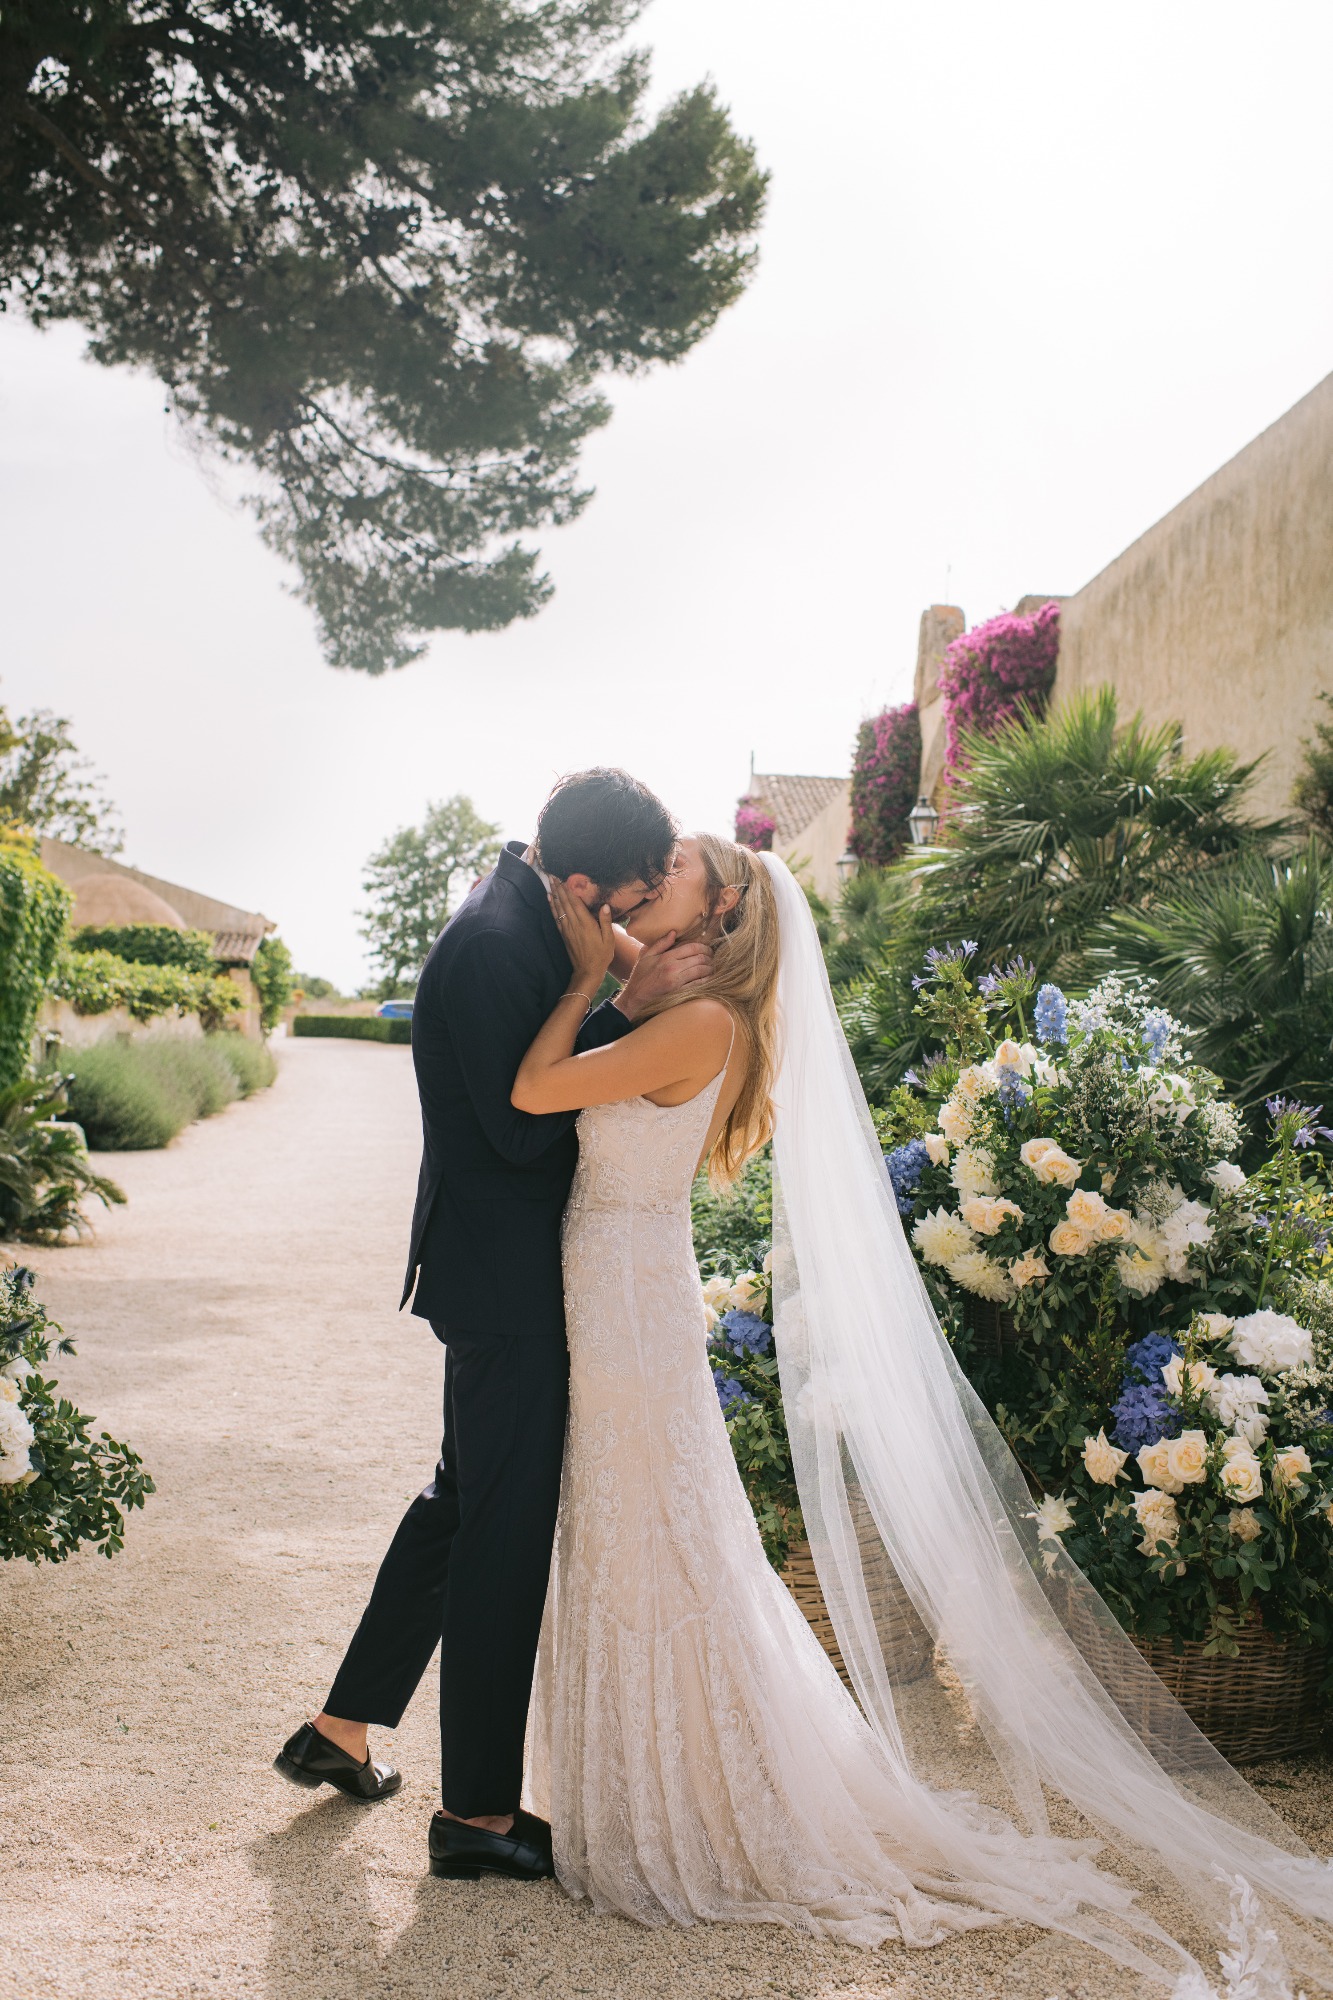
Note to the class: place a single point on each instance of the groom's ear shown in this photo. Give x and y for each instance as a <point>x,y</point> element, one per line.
<point>585,889</point>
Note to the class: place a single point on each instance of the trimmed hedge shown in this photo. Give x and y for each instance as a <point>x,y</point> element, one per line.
<point>353,1027</point>
<point>96,981</point>
<point>34,907</point>
<point>149,944</point>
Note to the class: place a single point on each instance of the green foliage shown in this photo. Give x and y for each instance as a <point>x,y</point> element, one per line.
<point>1058,823</point>
<point>352,1027</point>
<point>733,1229</point>
<point>46,787</point>
<point>1245,955</point>
<point>310,986</point>
<point>272,975</point>
<point>1312,794</point>
<point>34,909</point>
<point>148,944</point>
<point>379,255</point>
<point>413,880</point>
<point>78,1488</point>
<point>131,1094</point>
<point>45,1172</point>
<point>96,981</point>
<point>251,1063</point>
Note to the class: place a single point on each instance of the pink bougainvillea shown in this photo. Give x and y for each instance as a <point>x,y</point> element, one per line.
<point>884,781</point>
<point>992,672</point>
<point>755,826</point>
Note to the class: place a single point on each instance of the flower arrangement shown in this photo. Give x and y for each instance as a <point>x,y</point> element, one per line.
<point>755,825</point>
<point>1168,1374</point>
<point>886,771</point>
<point>59,1487</point>
<point>995,670</point>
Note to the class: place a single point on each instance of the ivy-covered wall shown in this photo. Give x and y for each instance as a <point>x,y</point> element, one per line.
<point>34,914</point>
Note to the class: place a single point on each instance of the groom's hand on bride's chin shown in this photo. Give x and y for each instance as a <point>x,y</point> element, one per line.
<point>662,967</point>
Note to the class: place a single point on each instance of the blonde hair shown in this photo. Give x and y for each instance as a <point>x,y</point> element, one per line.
<point>745,979</point>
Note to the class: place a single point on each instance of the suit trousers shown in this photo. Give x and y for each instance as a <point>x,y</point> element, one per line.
<point>468,1569</point>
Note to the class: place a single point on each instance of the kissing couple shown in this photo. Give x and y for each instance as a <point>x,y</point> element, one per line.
<point>615,1647</point>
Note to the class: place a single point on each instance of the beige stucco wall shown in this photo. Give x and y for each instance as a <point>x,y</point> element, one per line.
<point>1221,616</point>
<point>814,853</point>
<point>79,1031</point>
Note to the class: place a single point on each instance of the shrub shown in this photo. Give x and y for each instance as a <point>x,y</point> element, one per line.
<point>149,944</point>
<point>1312,795</point>
<point>131,1096</point>
<point>96,981</point>
<point>885,773</point>
<point>272,975</point>
<point>994,673</point>
<point>251,1063</point>
<point>353,1027</point>
<point>73,1487</point>
<point>34,908</point>
<point>45,1171</point>
<point>755,826</point>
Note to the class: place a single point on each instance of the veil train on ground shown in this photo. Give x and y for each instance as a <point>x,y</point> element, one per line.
<point>1039,1701</point>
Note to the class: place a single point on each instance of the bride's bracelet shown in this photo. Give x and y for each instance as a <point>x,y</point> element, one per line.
<point>575,994</point>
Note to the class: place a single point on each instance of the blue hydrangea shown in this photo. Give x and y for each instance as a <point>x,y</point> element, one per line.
<point>1145,1359</point>
<point>1051,1015</point>
<point>745,1332</point>
<point>905,1164</point>
<point>730,1394</point>
<point>1142,1416</point>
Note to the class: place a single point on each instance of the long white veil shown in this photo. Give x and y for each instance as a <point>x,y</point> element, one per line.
<point>906,1486</point>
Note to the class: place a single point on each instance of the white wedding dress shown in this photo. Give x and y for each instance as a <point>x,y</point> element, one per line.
<point>692,1744</point>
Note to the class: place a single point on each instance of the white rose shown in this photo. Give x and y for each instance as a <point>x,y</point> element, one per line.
<point>1197,1374</point>
<point>1153,1465</point>
<point>17,1370</point>
<point>955,1121</point>
<point>8,1390</point>
<point>1014,1055</point>
<point>1291,1466</point>
<point>1215,1326</point>
<point>710,1318</point>
<point>1245,1524</point>
<point>16,1433</point>
<point>747,1292</point>
<point>1227,1176</point>
<point>1271,1341</point>
<point>1242,1477</point>
<point>987,1213</point>
<point>1187,1458</point>
<point>937,1146</point>
<point>16,1469</point>
<point>716,1291</point>
<point>767,1266</point>
<point>1102,1460</point>
<point>940,1236</point>
<point>1085,1210</point>
<point>1068,1240</point>
<point>1028,1269</point>
<point>1171,1094</point>
<point>1158,1519</point>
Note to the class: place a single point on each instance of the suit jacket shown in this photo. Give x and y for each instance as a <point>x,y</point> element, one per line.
<point>485,1249</point>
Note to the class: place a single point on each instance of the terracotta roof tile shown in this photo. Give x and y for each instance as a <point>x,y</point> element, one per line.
<point>794,800</point>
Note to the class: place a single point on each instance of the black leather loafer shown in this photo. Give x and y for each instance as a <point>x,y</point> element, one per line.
<point>311,1759</point>
<point>463,1853</point>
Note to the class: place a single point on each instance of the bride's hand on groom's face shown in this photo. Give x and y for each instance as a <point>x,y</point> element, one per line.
<point>588,937</point>
<point>661,968</point>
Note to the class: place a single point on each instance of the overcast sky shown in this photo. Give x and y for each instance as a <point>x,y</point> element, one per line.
<point>1030,273</point>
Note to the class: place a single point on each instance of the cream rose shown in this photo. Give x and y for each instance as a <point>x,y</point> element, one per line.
<point>1197,1374</point>
<point>1158,1519</point>
<point>1102,1460</point>
<point>1035,1150</point>
<point>955,1121</point>
<point>1014,1055</point>
<point>1214,1326</point>
<point>1242,1477</point>
<point>1068,1240</point>
<point>747,1292</point>
<point>937,1146</point>
<point>974,1083</point>
<point>8,1390</point>
<point>1291,1466</point>
<point>987,1213</point>
<point>716,1290</point>
<point>1245,1524</point>
<point>1152,1463</point>
<point>1028,1269</point>
<point>1116,1226</point>
<point>1187,1457</point>
<point>1085,1210</point>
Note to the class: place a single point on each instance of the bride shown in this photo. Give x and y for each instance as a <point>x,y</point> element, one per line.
<point>701,1757</point>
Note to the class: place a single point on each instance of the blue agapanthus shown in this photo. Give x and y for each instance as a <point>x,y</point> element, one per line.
<point>745,1333</point>
<point>944,954</point>
<point>730,1395</point>
<point>1051,1015</point>
<point>1307,1131</point>
<point>1146,1358</point>
<point>905,1164</point>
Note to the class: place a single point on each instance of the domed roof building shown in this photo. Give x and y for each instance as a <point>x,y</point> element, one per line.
<point>107,900</point>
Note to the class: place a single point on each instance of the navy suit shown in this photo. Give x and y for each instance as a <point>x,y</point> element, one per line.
<point>468,1566</point>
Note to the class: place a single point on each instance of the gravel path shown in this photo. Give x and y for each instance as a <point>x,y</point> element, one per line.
<point>236,1324</point>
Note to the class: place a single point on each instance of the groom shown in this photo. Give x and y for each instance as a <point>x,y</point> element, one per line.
<point>467,1569</point>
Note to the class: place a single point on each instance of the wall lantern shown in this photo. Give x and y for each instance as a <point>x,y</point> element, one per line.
<point>921,822</point>
<point>847,866</point>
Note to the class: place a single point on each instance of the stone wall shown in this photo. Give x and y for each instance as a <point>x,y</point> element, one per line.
<point>1221,616</point>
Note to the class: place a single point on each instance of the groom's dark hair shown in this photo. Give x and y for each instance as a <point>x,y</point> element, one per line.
<point>607,826</point>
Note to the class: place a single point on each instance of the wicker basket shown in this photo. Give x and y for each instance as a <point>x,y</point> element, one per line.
<point>907,1644</point>
<point>991,1326</point>
<point>1264,1703</point>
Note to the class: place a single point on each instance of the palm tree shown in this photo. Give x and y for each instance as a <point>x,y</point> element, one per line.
<point>1244,954</point>
<point>1058,822</point>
